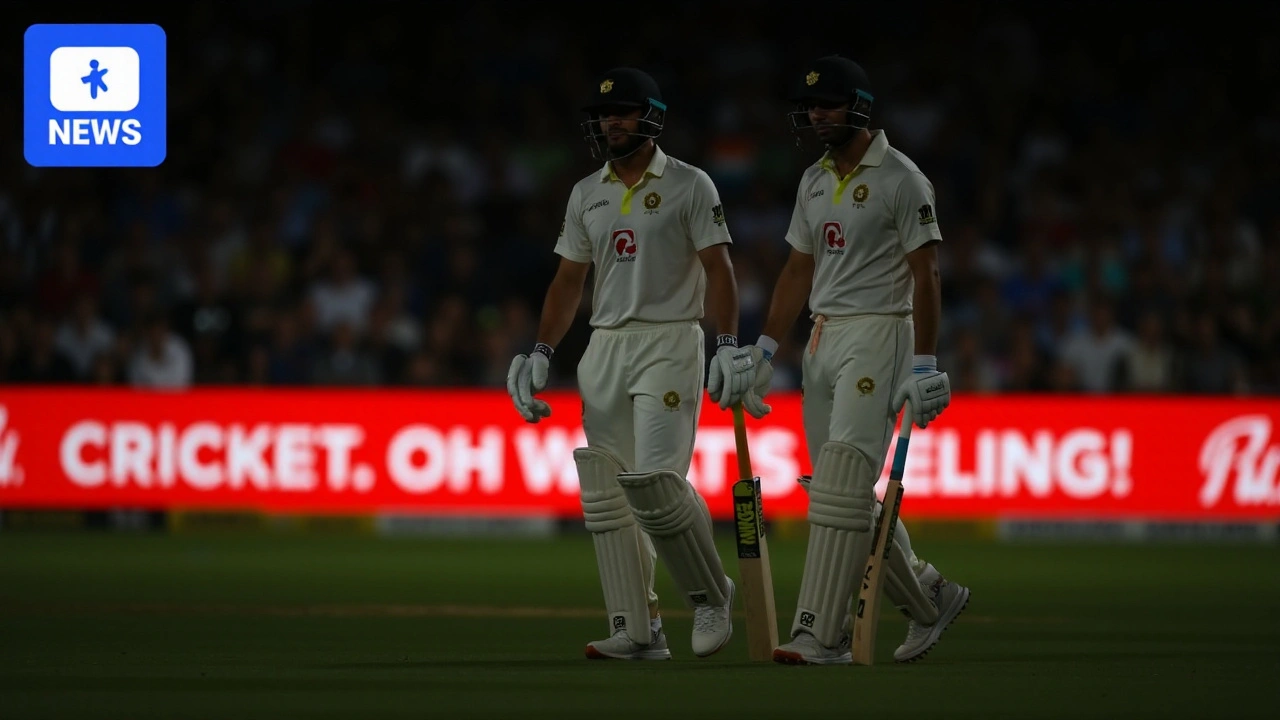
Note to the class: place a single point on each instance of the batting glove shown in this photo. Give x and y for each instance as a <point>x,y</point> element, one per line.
<point>732,372</point>
<point>528,377</point>
<point>762,355</point>
<point>928,390</point>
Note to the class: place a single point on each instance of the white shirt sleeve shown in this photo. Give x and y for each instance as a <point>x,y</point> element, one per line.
<point>573,243</point>
<point>914,212</point>
<point>798,234</point>
<point>705,214</point>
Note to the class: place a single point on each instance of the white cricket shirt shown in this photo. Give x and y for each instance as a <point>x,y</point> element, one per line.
<point>859,229</point>
<point>644,241</point>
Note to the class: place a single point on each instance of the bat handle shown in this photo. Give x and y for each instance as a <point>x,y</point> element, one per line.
<point>740,438</point>
<point>904,431</point>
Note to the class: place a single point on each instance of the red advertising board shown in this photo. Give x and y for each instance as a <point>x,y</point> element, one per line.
<point>467,452</point>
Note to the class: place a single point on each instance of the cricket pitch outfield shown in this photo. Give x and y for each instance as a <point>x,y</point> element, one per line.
<point>262,625</point>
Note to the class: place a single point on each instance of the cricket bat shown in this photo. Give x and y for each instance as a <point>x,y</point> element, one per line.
<point>867,615</point>
<point>755,575</point>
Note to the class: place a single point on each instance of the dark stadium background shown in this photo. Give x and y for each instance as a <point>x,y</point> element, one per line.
<point>1107,176</point>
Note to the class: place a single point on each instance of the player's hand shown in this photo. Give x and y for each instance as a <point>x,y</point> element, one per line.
<point>753,401</point>
<point>928,390</point>
<point>732,373</point>
<point>526,378</point>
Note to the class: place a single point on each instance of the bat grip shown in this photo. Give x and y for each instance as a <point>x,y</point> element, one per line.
<point>904,431</point>
<point>740,438</point>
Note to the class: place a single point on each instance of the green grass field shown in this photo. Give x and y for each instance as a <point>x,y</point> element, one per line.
<point>98,625</point>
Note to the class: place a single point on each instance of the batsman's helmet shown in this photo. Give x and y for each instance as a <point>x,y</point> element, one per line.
<point>623,88</point>
<point>830,81</point>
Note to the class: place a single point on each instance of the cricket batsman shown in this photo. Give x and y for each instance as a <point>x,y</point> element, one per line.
<point>655,231</point>
<point>863,236</point>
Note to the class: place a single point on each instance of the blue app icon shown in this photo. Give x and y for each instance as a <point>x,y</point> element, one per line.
<point>94,95</point>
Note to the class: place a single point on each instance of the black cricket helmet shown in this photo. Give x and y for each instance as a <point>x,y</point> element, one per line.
<point>832,81</point>
<point>622,89</point>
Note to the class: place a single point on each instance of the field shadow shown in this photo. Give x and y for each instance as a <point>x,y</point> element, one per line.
<point>453,663</point>
<point>686,664</point>
<point>1093,655</point>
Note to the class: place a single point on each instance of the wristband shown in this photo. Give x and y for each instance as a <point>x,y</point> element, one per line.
<point>925,363</point>
<point>768,346</point>
<point>730,340</point>
<point>545,349</point>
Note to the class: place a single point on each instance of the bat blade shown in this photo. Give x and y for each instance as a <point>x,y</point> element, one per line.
<point>866,615</point>
<point>754,571</point>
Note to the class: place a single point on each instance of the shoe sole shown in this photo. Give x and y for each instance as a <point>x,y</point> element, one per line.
<point>941,626</point>
<point>787,657</point>
<point>733,591</point>
<point>594,654</point>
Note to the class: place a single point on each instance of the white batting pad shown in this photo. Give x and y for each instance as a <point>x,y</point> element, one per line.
<point>623,554</point>
<point>841,498</point>
<point>671,512</point>
<point>902,585</point>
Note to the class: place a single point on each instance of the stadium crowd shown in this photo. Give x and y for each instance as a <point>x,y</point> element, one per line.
<point>368,202</point>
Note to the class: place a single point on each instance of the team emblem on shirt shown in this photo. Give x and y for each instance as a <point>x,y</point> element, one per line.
<point>671,400</point>
<point>860,195</point>
<point>651,203</point>
<point>624,244</point>
<point>866,386</point>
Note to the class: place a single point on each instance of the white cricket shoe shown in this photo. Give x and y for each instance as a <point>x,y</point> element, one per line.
<point>621,647</point>
<point>804,649</point>
<point>713,626</point>
<point>950,599</point>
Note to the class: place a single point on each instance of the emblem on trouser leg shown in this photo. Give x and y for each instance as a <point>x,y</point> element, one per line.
<point>671,400</point>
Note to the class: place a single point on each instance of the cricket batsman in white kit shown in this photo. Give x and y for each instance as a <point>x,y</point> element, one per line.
<point>863,239</point>
<point>655,230</point>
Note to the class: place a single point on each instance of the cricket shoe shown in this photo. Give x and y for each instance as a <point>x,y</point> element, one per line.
<point>950,599</point>
<point>622,647</point>
<point>712,625</point>
<point>804,649</point>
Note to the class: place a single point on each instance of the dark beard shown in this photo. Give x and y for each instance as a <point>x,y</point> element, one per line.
<point>632,144</point>
<point>841,137</point>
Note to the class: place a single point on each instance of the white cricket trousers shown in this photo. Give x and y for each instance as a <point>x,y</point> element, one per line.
<point>641,388</point>
<point>852,366</point>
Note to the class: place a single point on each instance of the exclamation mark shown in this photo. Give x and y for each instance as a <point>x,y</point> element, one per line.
<point>1121,462</point>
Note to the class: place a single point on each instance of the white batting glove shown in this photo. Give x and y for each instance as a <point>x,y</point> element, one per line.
<point>762,355</point>
<point>928,390</point>
<point>528,377</point>
<point>732,372</point>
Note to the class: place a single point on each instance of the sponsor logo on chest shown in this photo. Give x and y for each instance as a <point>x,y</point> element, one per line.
<point>624,245</point>
<point>833,236</point>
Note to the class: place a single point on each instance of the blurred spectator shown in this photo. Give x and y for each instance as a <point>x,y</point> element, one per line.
<point>162,359</point>
<point>288,357</point>
<point>343,297</point>
<point>210,323</point>
<point>1209,366</point>
<point>345,361</point>
<point>1150,361</point>
<point>83,336</point>
<point>64,280</point>
<point>1099,354</point>
<point>40,361</point>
